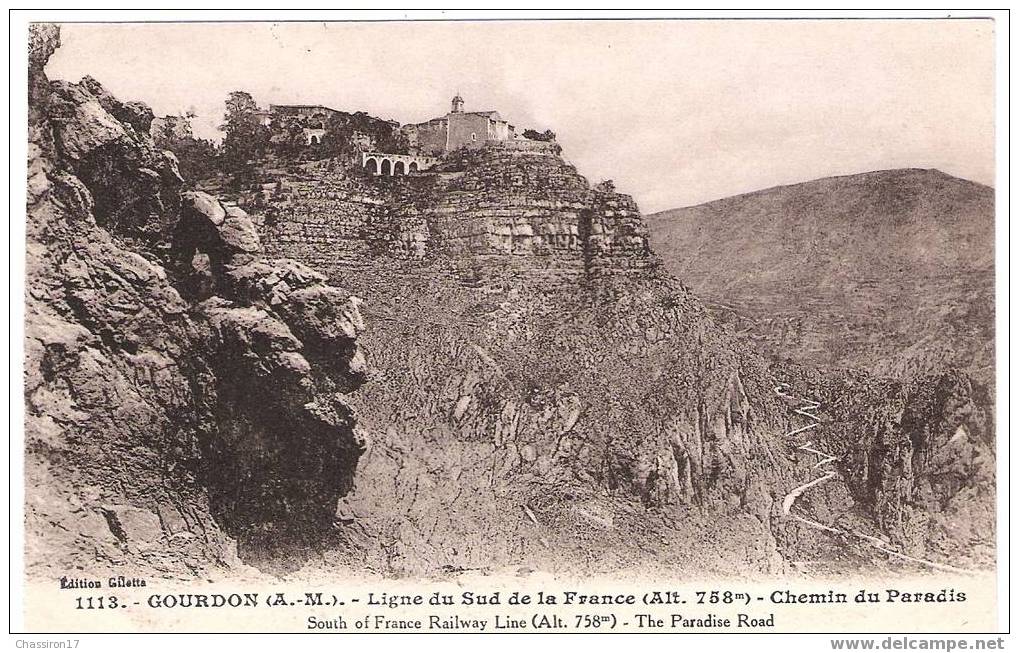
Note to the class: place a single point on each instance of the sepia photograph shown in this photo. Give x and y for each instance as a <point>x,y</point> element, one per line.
<point>533,324</point>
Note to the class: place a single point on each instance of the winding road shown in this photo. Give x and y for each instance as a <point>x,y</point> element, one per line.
<point>807,408</point>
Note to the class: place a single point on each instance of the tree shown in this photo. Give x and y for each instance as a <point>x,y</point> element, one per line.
<point>346,133</point>
<point>547,136</point>
<point>245,138</point>
<point>287,137</point>
<point>197,156</point>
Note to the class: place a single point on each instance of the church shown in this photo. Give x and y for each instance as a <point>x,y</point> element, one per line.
<point>456,129</point>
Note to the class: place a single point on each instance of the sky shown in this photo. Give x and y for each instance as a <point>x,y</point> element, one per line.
<point>675,112</point>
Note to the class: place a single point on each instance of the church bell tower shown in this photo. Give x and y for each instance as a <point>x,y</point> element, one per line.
<point>458,104</point>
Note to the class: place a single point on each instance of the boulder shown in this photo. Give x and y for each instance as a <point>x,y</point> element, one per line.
<point>205,206</point>
<point>81,124</point>
<point>136,114</point>
<point>238,232</point>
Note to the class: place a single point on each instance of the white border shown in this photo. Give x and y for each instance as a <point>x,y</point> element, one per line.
<point>17,146</point>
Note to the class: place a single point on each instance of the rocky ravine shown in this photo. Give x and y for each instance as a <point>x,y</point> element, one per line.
<point>183,392</point>
<point>540,392</point>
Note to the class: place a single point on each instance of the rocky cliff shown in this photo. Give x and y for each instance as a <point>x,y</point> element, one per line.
<point>890,272</point>
<point>523,210</point>
<point>184,393</point>
<point>546,394</point>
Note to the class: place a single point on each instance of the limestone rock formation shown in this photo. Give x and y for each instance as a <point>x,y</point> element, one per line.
<point>185,395</point>
<point>924,463</point>
<point>530,204</point>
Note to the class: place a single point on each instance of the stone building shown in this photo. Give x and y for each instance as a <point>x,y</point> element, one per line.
<point>456,129</point>
<point>316,111</point>
<point>312,117</point>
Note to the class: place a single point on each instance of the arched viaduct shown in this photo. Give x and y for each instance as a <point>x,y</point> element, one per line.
<point>392,165</point>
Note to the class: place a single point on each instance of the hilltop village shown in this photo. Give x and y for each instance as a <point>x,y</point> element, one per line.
<point>338,211</point>
<point>317,181</point>
<point>302,132</point>
<point>458,128</point>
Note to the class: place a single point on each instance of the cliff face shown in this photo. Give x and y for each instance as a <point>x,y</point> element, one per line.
<point>515,426</point>
<point>913,462</point>
<point>546,394</point>
<point>183,393</point>
<point>526,211</point>
<point>891,272</point>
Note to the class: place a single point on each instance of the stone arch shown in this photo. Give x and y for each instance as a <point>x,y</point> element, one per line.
<point>399,168</point>
<point>315,140</point>
<point>371,166</point>
<point>387,168</point>
<point>413,167</point>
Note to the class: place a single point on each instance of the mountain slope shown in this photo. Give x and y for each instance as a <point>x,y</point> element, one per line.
<point>890,271</point>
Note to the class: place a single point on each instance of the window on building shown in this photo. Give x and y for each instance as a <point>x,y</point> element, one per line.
<point>474,136</point>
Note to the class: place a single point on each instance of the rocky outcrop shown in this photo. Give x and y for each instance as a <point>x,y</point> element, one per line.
<point>185,395</point>
<point>919,455</point>
<point>535,205</point>
<point>134,186</point>
<point>497,208</point>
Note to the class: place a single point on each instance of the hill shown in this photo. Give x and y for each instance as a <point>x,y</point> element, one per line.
<point>889,271</point>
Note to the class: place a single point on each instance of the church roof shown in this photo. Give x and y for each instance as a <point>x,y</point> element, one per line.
<point>299,107</point>
<point>491,115</point>
<point>488,114</point>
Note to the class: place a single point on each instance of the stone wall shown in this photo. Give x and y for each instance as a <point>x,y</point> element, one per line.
<point>319,217</point>
<point>428,137</point>
<point>467,130</point>
<point>548,147</point>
